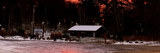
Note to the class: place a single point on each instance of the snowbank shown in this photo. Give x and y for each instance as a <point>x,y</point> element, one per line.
<point>147,43</point>
<point>1,37</point>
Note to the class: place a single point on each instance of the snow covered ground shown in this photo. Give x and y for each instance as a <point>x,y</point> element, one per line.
<point>146,43</point>
<point>91,39</point>
<point>39,46</point>
<point>21,38</point>
<point>14,38</point>
<point>50,47</point>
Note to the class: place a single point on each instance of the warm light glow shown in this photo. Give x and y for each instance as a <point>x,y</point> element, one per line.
<point>69,51</point>
<point>130,1</point>
<point>145,3</point>
<point>103,19</point>
<point>4,7</point>
<point>101,15</point>
<point>125,1</point>
<point>101,10</point>
<point>73,1</point>
<point>103,6</point>
<point>119,0</point>
<point>110,0</point>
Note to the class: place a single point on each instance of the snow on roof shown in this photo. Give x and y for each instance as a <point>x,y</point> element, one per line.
<point>85,28</point>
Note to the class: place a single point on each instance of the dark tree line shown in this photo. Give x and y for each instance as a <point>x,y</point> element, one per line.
<point>139,17</point>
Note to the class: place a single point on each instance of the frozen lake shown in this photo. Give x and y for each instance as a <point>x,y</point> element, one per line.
<point>38,46</point>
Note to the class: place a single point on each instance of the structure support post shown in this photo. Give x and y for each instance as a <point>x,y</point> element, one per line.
<point>94,34</point>
<point>79,36</point>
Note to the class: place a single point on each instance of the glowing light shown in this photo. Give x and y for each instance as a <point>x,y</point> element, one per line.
<point>110,0</point>
<point>103,6</point>
<point>4,7</point>
<point>119,0</point>
<point>103,19</point>
<point>130,1</point>
<point>71,50</point>
<point>73,1</point>
<point>101,15</point>
<point>145,3</point>
<point>100,10</point>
